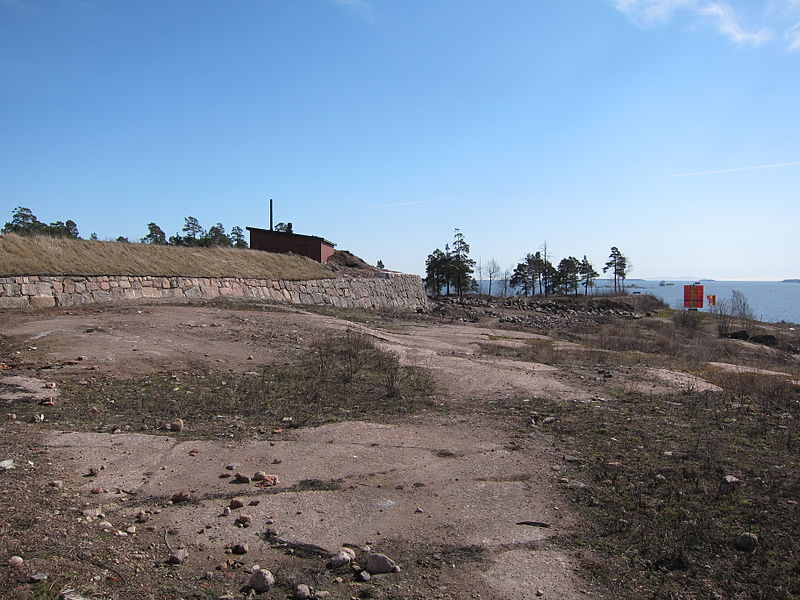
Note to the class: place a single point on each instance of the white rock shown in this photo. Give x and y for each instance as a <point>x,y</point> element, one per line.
<point>15,561</point>
<point>340,559</point>
<point>261,580</point>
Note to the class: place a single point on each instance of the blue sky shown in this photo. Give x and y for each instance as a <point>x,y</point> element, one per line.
<point>668,128</point>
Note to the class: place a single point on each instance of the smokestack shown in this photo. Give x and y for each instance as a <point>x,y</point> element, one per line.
<point>270,214</point>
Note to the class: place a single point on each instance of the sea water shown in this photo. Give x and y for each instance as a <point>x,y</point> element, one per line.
<point>771,301</point>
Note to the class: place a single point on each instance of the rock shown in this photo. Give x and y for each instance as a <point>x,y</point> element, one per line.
<point>70,594</point>
<point>240,549</point>
<point>105,525</point>
<point>349,551</point>
<point>178,557</point>
<point>302,592</point>
<point>321,594</point>
<point>243,521</point>
<point>571,459</point>
<point>239,478</point>
<point>131,530</point>
<point>340,559</point>
<point>379,563</point>
<point>7,464</point>
<point>265,480</point>
<point>58,484</point>
<point>182,496</point>
<point>364,576</point>
<point>38,577</point>
<point>261,580</point>
<point>175,425</point>
<point>141,517</point>
<point>236,503</point>
<point>226,511</point>
<point>747,542</point>
<point>15,561</point>
<point>738,335</point>
<point>540,593</point>
<point>731,481</point>
<point>765,339</point>
<point>232,467</point>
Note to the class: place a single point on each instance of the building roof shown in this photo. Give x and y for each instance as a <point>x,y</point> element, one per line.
<point>293,235</point>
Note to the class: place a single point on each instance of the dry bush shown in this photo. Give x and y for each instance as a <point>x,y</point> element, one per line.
<point>687,319</point>
<point>23,255</point>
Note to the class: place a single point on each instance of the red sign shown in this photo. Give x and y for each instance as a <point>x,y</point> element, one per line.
<point>693,296</point>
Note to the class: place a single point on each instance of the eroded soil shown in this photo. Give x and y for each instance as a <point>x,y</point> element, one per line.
<point>456,482</point>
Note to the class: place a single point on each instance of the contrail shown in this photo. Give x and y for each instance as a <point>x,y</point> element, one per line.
<point>736,170</point>
<point>412,203</point>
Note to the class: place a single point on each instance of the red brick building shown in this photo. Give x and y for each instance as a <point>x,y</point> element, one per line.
<point>311,246</point>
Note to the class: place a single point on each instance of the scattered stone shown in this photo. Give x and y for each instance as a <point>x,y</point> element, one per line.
<point>7,464</point>
<point>571,459</point>
<point>340,559</point>
<point>261,580</point>
<point>105,525</point>
<point>540,593</point>
<point>232,467</point>
<point>259,476</point>
<point>364,576</point>
<point>380,563</point>
<point>236,503</point>
<point>182,496</point>
<point>321,594</point>
<point>548,420</point>
<point>175,425</point>
<point>131,530</point>
<point>276,461</point>
<point>266,480</point>
<point>226,511</point>
<point>178,557</point>
<point>38,577</point>
<point>302,592</point>
<point>141,517</point>
<point>747,542</point>
<point>93,472</point>
<point>240,549</point>
<point>58,484</point>
<point>660,477</point>
<point>243,521</point>
<point>15,561</point>
<point>239,478</point>
<point>419,510</point>
<point>731,480</point>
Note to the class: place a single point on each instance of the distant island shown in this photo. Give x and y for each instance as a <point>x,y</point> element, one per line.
<point>791,281</point>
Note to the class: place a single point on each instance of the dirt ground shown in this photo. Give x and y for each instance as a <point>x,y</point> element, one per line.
<point>468,501</point>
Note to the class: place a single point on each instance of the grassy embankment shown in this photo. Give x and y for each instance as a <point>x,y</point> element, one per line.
<point>59,256</point>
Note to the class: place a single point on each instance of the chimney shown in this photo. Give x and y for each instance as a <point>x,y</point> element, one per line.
<point>270,214</point>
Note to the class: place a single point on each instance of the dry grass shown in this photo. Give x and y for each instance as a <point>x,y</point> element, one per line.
<point>58,256</point>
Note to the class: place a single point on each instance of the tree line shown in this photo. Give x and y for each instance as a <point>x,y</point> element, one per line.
<point>24,222</point>
<point>451,271</point>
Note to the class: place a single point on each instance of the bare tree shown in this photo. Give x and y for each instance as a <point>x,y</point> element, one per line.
<point>492,272</point>
<point>479,275</point>
<point>506,277</point>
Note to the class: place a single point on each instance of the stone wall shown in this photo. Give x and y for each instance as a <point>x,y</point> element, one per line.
<point>390,290</point>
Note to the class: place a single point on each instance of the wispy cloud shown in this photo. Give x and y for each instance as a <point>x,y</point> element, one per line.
<point>733,170</point>
<point>729,24</point>
<point>758,24</point>
<point>411,203</point>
